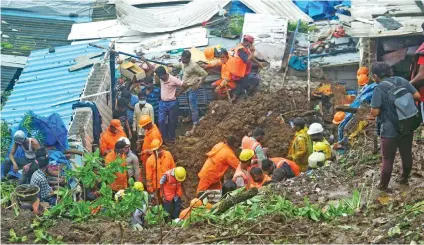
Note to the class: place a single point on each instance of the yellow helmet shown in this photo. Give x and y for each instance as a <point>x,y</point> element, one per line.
<point>180,174</point>
<point>246,155</point>
<point>320,146</point>
<point>155,144</point>
<point>139,186</point>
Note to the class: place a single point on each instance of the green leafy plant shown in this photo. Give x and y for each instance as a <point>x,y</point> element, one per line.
<point>304,27</point>
<point>13,238</point>
<point>6,45</point>
<point>42,236</point>
<point>236,24</point>
<point>6,140</point>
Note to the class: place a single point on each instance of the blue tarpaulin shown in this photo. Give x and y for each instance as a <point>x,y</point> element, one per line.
<point>319,10</point>
<point>364,96</point>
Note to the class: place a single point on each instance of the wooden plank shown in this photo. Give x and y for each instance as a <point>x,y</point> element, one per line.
<point>88,56</point>
<point>83,64</point>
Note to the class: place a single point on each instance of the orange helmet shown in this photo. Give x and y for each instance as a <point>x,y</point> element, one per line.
<point>144,120</point>
<point>209,53</point>
<point>362,80</point>
<point>362,70</point>
<point>155,145</point>
<point>338,117</point>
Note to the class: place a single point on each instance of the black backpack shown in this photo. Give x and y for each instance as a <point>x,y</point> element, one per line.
<point>404,112</point>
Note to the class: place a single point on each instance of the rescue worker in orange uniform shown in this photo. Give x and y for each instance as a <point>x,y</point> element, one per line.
<point>259,177</point>
<point>121,181</point>
<point>254,143</point>
<point>172,190</point>
<point>226,82</point>
<point>155,168</point>
<point>151,132</point>
<point>219,159</point>
<point>111,136</point>
<point>242,68</point>
<point>241,176</point>
<point>270,165</point>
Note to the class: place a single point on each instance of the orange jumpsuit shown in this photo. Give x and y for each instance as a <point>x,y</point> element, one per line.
<point>219,159</point>
<point>266,179</point>
<point>225,74</point>
<point>278,161</point>
<point>150,135</point>
<point>121,181</point>
<point>165,163</point>
<point>108,140</point>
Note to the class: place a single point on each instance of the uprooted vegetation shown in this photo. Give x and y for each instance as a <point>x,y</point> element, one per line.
<point>334,204</point>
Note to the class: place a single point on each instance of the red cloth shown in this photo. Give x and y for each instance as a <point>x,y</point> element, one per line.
<point>421,62</point>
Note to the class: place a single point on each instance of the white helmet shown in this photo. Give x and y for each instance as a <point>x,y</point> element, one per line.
<point>315,128</point>
<point>126,140</point>
<point>316,160</point>
<point>19,137</point>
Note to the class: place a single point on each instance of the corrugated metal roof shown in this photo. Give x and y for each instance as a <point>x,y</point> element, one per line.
<point>23,34</point>
<point>364,15</point>
<point>8,74</point>
<point>147,21</point>
<point>142,2</point>
<point>13,60</point>
<point>270,33</point>
<point>46,80</point>
<point>57,9</point>
<point>103,11</point>
<point>282,8</point>
<point>336,60</point>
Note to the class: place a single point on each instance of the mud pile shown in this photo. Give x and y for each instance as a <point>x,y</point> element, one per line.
<point>223,119</point>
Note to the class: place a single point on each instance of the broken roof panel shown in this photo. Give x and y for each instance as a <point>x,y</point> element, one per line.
<point>146,21</point>
<point>99,30</point>
<point>270,33</point>
<point>336,60</point>
<point>46,81</point>
<point>365,13</point>
<point>282,8</point>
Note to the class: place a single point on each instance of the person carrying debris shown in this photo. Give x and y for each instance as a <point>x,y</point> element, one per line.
<point>241,176</point>
<point>29,146</point>
<point>140,109</point>
<point>253,143</point>
<point>220,157</point>
<point>151,133</point>
<point>259,177</point>
<point>158,163</point>
<point>39,178</point>
<point>172,191</point>
<point>132,161</point>
<point>168,106</point>
<point>395,132</point>
<point>270,165</point>
<point>244,55</point>
<point>320,144</point>
<point>301,145</point>
<point>193,77</point>
<point>109,137</point>
<point>121,181</point>
<point>417,75</point>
